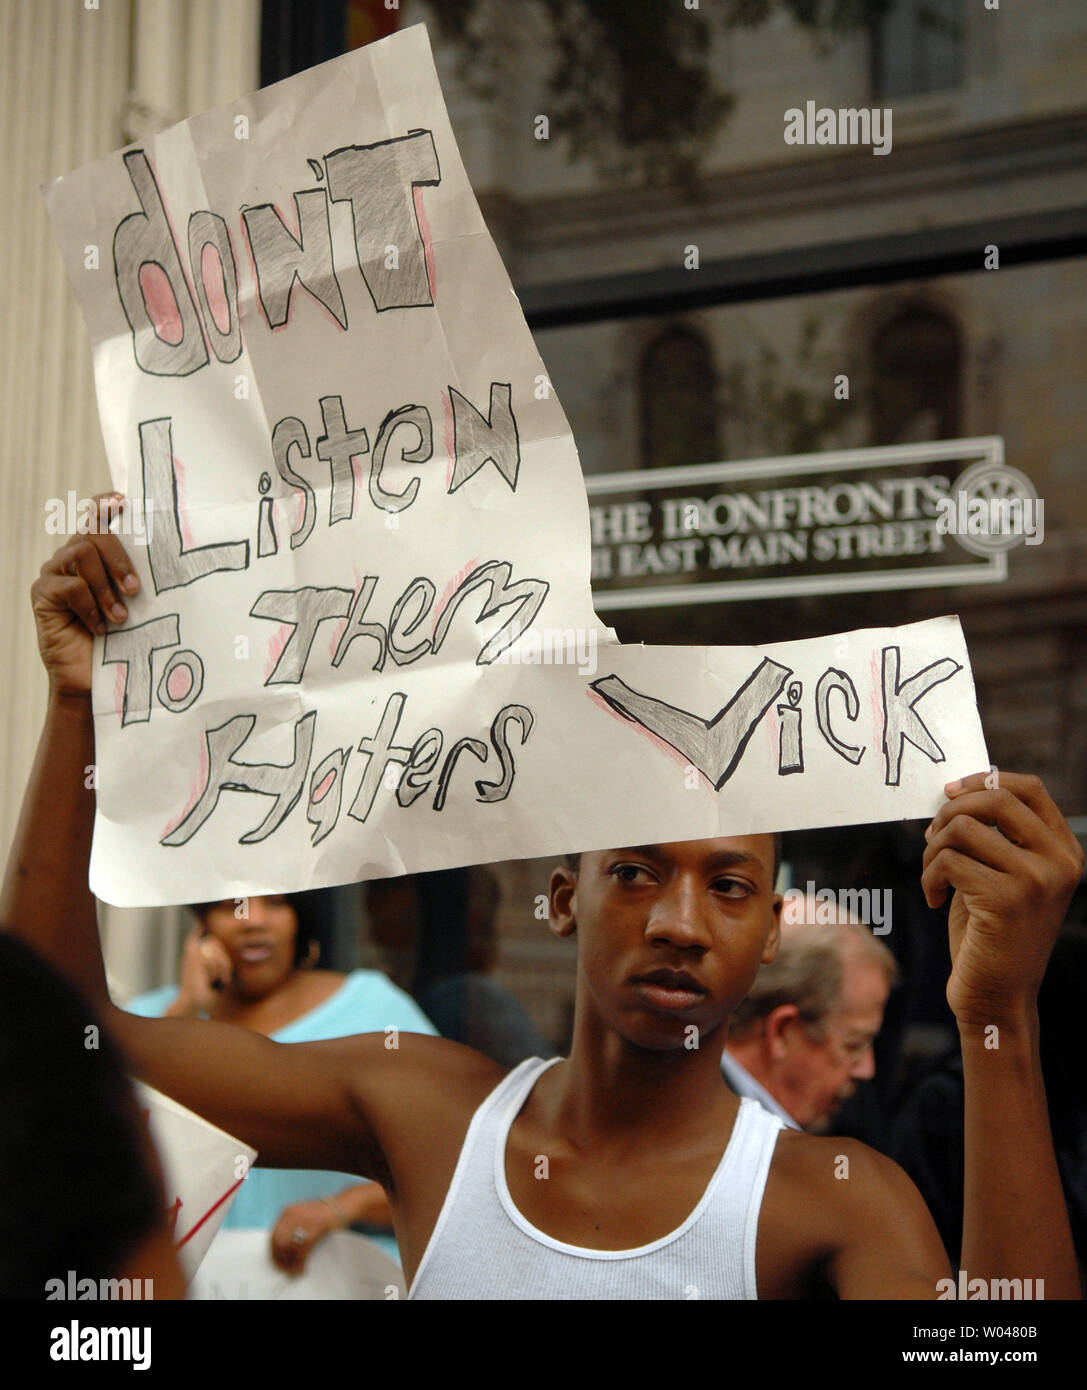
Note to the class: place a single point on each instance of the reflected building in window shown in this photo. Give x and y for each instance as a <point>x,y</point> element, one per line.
<point>916,371</point>
<point>918,46</point>
<point>678,400</point>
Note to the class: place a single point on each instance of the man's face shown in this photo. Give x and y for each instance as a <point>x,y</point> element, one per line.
<point>818,1076</point>
<point>669,936</point>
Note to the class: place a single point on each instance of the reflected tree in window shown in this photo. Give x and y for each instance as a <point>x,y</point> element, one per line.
<point>780,402</point>
<point>634,84</point>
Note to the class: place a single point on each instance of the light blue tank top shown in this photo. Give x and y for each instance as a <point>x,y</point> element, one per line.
<point>366,1002</point>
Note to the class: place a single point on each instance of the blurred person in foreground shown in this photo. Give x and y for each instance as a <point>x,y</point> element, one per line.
<point>802,1039</point>
<point>81,1195</point>
<point>252,962</point>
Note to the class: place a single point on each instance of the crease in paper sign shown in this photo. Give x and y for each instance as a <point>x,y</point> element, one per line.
<point>444,760</point>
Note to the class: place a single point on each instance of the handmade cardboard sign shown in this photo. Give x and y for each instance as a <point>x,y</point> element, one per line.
<point>365,643</point>
<point>202,1166</point>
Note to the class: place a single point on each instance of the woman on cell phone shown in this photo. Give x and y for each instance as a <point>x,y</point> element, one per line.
<point>252,962</point>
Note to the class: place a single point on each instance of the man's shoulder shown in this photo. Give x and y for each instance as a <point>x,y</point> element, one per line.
<point>420,1097</point>
<point>826,1195</point>
<point>837,1189</point>
<point>418,1067</point>
<point>826,1162</point>
<point>833,1185</point>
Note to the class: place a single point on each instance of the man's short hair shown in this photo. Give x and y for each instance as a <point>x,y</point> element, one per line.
<point>573,861</point>
<point>808,972</point>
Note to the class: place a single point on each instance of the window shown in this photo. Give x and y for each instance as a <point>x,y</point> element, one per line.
<point>678,400</point>
<point>916,363</point>
<point>918,46</point>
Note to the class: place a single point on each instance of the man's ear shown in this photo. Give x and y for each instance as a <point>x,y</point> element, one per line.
<point>773,940</point>
<point>562,900</point>
<point>778,1029</point>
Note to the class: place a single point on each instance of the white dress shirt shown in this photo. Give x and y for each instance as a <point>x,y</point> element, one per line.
<point>744,1084</point>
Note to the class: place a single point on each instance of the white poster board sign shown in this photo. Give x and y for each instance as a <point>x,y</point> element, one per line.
<point>365,643</point>
<point>203,1167</point>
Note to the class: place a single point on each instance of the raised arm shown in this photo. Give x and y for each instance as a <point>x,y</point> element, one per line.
<point>1014,864</point>
<point>46,899</point>
<point>304,1105</point>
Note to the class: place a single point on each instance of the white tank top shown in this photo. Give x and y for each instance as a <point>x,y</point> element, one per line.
<point>483,1248</point>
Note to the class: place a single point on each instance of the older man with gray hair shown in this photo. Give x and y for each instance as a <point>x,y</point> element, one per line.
<point>802,1038</point>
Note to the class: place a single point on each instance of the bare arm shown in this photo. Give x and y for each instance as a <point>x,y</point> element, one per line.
<point>1015,1222</point>
<point>303,1225</point>
<point>305,1105</point>
<point>1014,863</point>
<point>46,899</point>
<point>81,590</point>
<point>890,1247</point>
<point>838,1212</point>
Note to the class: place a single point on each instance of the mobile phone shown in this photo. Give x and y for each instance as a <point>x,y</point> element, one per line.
<point>217,985</point>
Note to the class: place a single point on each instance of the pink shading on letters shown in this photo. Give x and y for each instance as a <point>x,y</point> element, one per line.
<point>454,583</point>
<point>119,690</point>
<point>180,682</point>
<point>876,694</point>
<point>178,243</point>
<point>341,626</point>
<point>296,232</point>
<point>162,308</point>
<point>275,647</point>
<point>214,278</point>
<point>424,231</point>
<point>182,515</point>
<point>772,721</point>
<point>357,483</point>
<point>196,791</point>
<point>256,283</point>
<point>666,748</point>
<point>449,435</point>
<point>279,511</point>
<point>324,786</point>
<point>238,277</point>
<point>337,632</point>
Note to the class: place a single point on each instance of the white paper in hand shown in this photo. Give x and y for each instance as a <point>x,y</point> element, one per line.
<point>202,1166</point>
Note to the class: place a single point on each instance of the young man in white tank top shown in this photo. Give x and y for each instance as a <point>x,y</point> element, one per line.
<point>628,1169</point>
